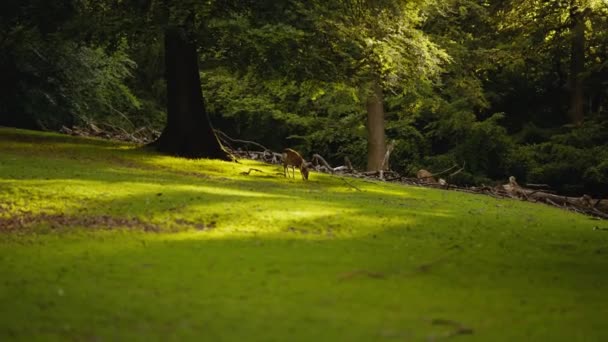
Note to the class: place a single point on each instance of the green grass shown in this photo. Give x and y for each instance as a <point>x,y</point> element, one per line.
<point>103,241</point>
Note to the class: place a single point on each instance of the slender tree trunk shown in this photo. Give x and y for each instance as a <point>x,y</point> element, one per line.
<point>577,64</point>
<point>188,132</point>
<point>376,141</point>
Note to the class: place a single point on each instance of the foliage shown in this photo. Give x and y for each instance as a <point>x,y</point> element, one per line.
<point>314,116</point>
<point>93,83</point>
<point>572,162</point>
<point>379,42</point>
<point>410,146</point>
<point>539,37</point>
<point>485,148</point>
<point>482,82</point>
<point>63,83</point>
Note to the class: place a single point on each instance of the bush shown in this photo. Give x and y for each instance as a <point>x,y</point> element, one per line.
<point>410,146</point>
<point>486,148</point>
<point>63,83</point>
<point>572,163</point>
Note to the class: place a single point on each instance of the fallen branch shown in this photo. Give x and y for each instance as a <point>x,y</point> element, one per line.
<point>599,200</point>
<point>341,168</point>
<point>348,164</point>
<point>585,205</point>
<point>387,155</point>
<point>543,186</point>
<point>246,142</point>
<point>320,160</point>
<point>598,213</point>
<point>459,170</point>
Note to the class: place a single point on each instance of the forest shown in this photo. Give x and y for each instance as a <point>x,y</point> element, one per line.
<point>413,160</point>
<point>507,88</point>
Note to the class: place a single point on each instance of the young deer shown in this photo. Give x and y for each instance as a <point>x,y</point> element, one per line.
<point>294,159</point>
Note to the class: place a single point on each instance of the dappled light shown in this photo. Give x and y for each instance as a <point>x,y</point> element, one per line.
<point>447,170</point>
<point>166,232</point>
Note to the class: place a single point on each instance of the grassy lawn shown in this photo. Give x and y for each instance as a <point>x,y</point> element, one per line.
<point>103,241</point>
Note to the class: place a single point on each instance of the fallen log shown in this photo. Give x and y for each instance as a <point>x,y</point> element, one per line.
<point>318,160</point>
<point>348,164</point>
<point>532,192</point>
<point>584,204</point>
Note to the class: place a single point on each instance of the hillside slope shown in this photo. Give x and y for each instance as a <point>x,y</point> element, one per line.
<point>101,240</point>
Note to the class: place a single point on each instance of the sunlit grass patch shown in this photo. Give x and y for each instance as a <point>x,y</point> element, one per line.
<point>103,240</point>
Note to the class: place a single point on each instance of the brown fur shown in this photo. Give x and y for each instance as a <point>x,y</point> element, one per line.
<point>425,176</point>
<point>294,159</point>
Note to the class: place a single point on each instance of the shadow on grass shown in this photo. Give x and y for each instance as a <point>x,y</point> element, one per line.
<point>12,135</point>
<point>296,285</point>
<point>264,258</point>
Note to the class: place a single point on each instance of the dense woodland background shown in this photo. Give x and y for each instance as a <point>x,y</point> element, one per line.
<point>516,87</point>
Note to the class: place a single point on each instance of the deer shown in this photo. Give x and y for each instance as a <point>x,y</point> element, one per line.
<point>294,159</point>
<point>425,176</point>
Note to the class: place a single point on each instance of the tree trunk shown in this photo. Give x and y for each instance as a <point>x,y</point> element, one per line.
<point>577,64</point>
<point>12,111</point>
<point>188,132</point>
<point>376,141</point>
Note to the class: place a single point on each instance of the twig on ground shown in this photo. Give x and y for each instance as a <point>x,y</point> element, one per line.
<point>459,329</point>
<point>246,173</point>
<point>349,184</point>
<point>361,273</point>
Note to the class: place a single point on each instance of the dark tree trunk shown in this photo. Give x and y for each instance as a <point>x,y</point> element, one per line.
<point>12,111</point>
<point>376,141</point>
<point>188,132</point>
<point>577,64</point>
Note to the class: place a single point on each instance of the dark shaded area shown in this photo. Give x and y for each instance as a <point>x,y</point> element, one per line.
<point>21,23</point>
<point>188,132</point>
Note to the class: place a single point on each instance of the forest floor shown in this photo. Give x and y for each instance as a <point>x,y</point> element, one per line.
<point>104,241</point>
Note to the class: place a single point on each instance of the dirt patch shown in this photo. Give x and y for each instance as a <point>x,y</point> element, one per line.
<point>197,225</point>
<point>26,221</point>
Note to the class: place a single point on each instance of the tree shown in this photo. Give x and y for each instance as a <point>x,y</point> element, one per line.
<point>188,132</point>
<point>378,46</point>
<point>542,29</point>
<point>376,137</point>
<point>373,47</point>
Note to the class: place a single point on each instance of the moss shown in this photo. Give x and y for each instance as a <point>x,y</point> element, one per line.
<point>261,257</point>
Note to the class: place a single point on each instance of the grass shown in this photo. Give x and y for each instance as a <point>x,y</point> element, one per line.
<point>103,241</point>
